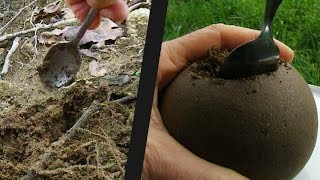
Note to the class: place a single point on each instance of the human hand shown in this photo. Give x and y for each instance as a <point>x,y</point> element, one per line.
<point>164,157</point>
<point>116,10</point>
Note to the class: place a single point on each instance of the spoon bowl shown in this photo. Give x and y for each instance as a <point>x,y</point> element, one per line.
<point>255,57</point>
<point>60,65</point>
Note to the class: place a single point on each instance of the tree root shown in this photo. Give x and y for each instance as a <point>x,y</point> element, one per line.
<point>40,164</point>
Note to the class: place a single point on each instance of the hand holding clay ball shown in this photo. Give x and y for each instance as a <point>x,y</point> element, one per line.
<point>165,157</point>
<point>116,10</point>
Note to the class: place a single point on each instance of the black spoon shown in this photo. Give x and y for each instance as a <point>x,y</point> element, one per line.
<point>255,57</point>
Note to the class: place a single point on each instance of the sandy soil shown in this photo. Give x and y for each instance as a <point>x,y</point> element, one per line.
<point>33,117</point>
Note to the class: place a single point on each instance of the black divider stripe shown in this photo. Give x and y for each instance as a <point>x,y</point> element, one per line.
<point>146,89</point>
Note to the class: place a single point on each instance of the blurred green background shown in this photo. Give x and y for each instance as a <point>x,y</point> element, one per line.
<point>297,24</point>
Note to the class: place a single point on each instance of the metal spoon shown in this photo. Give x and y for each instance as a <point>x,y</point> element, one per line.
<point>62,61</point>
<point>258,56</point>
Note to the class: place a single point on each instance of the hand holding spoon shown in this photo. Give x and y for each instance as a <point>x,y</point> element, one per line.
<point>258,56</point>
<point>62,61</point>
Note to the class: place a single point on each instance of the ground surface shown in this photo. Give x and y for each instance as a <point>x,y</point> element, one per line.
<point>33,117</point>
<point>295,24</point>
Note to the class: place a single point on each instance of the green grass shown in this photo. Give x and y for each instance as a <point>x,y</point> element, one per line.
<point>296,24</point>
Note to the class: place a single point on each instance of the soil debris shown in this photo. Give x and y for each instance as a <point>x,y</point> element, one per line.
<point>209,66</point>
<point>27,132</point>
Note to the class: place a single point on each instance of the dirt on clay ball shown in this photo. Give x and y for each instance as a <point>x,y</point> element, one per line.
<point>209,66</point>
<point>33,118</point>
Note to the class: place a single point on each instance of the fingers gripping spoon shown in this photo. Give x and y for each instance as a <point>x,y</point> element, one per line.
<point>255,57</point>
<point>62,61</point>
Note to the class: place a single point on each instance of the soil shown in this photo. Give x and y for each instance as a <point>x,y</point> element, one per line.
<point>209,66</point>
<point>32,117</point>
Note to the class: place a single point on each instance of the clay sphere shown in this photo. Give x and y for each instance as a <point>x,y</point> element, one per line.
<point>264,126</point>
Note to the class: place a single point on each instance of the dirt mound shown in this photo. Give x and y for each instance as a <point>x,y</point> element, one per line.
<point>209,66</point>
<point>98,148</point>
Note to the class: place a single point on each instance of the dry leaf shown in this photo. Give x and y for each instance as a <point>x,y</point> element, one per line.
<point>49,40</point>
<point>107,30</point>
<point>96,69</point>
<point>67,13</point>
<point>48,11</point>
<point>89,53</point>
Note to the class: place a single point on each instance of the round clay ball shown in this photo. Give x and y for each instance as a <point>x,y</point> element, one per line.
<point>264,126</point>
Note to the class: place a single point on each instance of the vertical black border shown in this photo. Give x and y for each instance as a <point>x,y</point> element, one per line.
<point>146,89</point>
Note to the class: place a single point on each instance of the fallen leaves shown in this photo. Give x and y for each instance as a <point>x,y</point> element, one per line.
<point>67,13</point>
<point>107,31</point>
<point>49,11</point>
<point>91,54</point>
<point>48,39</point>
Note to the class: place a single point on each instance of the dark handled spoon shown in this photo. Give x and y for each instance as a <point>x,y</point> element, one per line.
<point>255,57</point>
<point>62,61</point>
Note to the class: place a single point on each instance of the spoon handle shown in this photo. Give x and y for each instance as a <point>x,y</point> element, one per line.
<point>84,26</point>
<point>271,9</point>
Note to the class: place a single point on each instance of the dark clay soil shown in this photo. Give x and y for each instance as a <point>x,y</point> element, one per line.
<point>209,66</point>
<point>263,126</point>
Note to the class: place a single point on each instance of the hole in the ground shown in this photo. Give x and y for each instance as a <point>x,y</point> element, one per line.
<point>87,45</point>
<point>114,97</point>
<point>109,42</point>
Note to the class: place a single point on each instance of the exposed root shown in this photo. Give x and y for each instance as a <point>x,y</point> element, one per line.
<point>69,134</point>
<point>109,141</point>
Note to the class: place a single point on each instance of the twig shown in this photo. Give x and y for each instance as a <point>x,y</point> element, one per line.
<point>14,17</point>
<point>125,99</point>
<point>139,5</point>
<point>40,164</point>
<point>31,17</point>
<point>36,52</point>
<point>7,60</point>
<point>97,149</point>
<point>40,27</point>
<point>131,3</point>
<point>23,44</point>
